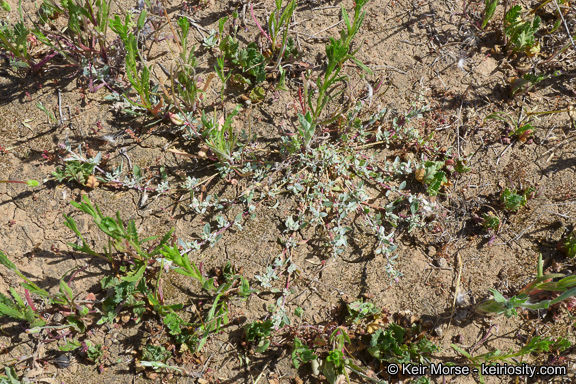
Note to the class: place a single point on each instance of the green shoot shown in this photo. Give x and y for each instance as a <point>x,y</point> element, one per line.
<point>568,245</point>
<point>536,345</point>
<point>15,41</point>
<point>527,297</point>
<point>489,9</point>
<point>513,201</point>
<point>358,310</point>
<point>259,332</point>
<point>30,183</point>
<point>220,136</point>
<point>301,354</point>
<point>491,221</point>
<point>186,86</point>
<point>521,131</point>
<point>520,32</point>
<point>398,345</point>
<point>431,175</point>
<point>276,22</point>
<point>337,53</point>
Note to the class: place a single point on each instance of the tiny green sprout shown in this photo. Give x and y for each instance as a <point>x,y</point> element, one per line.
<point>94,352</point>
<point>461,166</point>
<point>259,332</point>
<point>31,183</point>
<point>523,133</point>
<point>431,175</point>
<point>301,354</point>
<point>491,221</point>
<point>568,246</point>
<point>359,310</point>
<point>155,353</point>
<point>512,201</point>
<point>400,346</point>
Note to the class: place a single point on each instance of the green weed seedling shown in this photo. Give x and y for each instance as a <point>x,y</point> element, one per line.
<point>520,27</point>
<point>301,354</point>
<point>134,283</point>
<point>137,283</point>
<point>86,32</point>
<point>337,53</point>
<point>250,61</point>
<point>122,237</point>
<point>431,175</point>
<point>94,352</point>
<point>77,168</point>
<point>83,171</point>
<point>138,78</point>
<point>491,221</point>
<point>217,315</point>
<point>63,301</point>
<point>568,245</point>
<point>521,32</point>
<point>14,40</point>
<point>185,83</point>
<point>48,113</point>
<point>155,353</point>
<point>223,75</point>
<point>359,310</point>
<point>400,346</point>
<point>306,130</point>
<point>277,22</point>
<point>522,131</point>
<point>220,136</point>
<point>536,345</point>
<point>525,83</point>
<point>336,365</point>
<point>528,297</point>
<point>513,201</point>
<point>259,332</point>
<point>14,307</point>
<point>155,357</point>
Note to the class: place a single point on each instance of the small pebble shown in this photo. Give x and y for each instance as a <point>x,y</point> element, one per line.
<point>439,331</point>
<point>442,263</point>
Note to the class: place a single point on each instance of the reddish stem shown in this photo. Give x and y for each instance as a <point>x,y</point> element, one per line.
<point>258,24</point>
<point>29,300</point>
<point>302,104</point>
